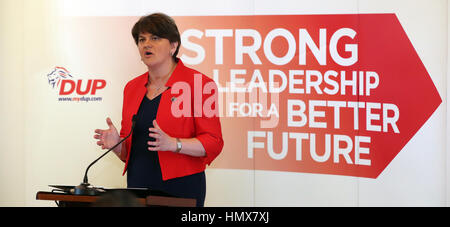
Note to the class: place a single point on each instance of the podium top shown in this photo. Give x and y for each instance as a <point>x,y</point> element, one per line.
<point>138,192</point>
<point>150,200</point>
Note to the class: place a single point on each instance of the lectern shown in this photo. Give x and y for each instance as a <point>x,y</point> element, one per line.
<point>64,199</point>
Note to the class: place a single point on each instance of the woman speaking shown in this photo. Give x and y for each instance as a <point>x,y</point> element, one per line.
<point>166,151</point>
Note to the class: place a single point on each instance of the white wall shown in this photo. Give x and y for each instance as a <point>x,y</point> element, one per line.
<point>12,166</point>
<point>417,176</point>
<point>447,135</point>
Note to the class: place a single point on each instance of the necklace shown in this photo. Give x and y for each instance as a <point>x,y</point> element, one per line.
<point>157,90</point>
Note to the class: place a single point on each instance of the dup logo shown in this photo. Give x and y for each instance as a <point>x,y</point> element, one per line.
<point>58,74</point>
<point>61,79</point>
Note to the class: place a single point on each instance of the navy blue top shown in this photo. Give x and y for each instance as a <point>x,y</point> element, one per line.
<point>144,170</point>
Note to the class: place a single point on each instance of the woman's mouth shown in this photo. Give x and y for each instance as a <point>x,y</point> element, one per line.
<point>148,53</point>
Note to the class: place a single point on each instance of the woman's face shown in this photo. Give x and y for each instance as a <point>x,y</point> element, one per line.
<point>155,50</point>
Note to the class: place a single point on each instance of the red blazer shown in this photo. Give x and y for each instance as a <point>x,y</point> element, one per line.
<point>205,128</point>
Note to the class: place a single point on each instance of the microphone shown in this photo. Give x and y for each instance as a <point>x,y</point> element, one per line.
<point>83,188</point>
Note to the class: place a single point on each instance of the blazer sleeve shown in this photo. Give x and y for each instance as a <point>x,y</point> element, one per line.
<point>207,123</point>
<point>125,127</point>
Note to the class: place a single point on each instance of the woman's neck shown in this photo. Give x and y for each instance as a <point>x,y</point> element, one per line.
<point>158,75</point>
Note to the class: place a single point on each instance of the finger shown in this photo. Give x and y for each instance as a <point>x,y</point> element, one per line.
<point>154,135</point>
<point>100,143</point>
<point>99,131</point>
<point>153,148</point>
<point>156,124</point>
<point>155,130</point>
<point>97,136</point>
<point>153,144</point>
<point>109,122</point>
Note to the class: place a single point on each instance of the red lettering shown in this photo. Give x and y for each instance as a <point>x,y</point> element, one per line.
<point>63,91</point>
<point>98,84</point>
<point>88,87</point>
<point>68,87</point>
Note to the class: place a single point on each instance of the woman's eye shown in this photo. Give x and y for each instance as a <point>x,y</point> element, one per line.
<point>141,40</point>
<point>155,37</point>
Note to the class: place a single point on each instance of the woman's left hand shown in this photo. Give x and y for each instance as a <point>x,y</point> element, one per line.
<point>163,142</point>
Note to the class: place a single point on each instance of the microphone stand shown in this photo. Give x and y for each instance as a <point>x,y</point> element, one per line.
<point>84,188</point>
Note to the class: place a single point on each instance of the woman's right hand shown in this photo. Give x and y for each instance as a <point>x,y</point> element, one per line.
<point>107,138</point>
